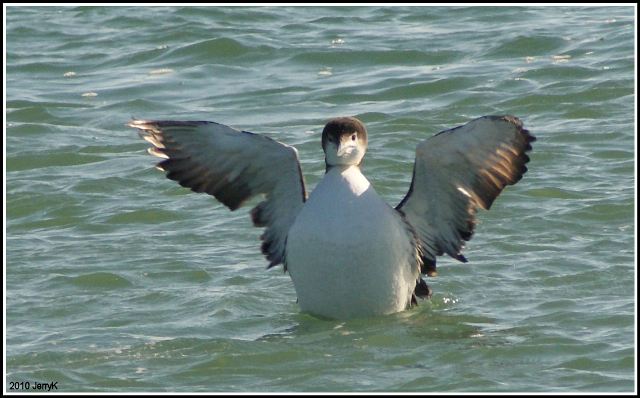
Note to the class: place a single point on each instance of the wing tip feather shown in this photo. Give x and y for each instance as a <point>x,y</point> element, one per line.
<point>157,152</point>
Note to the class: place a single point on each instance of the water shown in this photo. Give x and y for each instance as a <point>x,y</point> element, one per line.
<point>117,279</point>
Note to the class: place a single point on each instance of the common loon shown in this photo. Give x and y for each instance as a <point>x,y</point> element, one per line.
<point>347,251</point>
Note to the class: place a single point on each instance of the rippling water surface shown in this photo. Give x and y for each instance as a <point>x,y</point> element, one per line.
<point>117,279</point>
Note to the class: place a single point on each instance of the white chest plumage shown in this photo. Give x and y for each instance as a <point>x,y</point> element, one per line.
<point>348,252</point>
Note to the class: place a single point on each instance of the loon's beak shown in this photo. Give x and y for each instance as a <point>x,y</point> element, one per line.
<point>346,148</point>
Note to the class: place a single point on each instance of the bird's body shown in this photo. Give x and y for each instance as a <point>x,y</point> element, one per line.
<point>347,251</point>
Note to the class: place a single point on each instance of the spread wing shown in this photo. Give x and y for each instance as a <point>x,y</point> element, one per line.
<point>457,171</point>
<point>233,166</point>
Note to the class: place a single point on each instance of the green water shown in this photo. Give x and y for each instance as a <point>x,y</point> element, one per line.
<point>117,279</point>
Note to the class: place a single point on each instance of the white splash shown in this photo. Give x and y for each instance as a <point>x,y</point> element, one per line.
<point>325,72</point>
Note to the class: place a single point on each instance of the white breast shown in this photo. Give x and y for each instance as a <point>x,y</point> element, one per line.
<point>348,252</point>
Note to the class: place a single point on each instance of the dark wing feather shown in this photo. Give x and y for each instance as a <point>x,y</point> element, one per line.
<point>456,172</point>
<point>233,166</point>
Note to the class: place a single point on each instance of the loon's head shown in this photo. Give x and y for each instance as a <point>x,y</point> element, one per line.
<point>344,142</point>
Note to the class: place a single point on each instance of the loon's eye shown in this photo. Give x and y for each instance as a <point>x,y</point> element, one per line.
<point>353,137</point>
